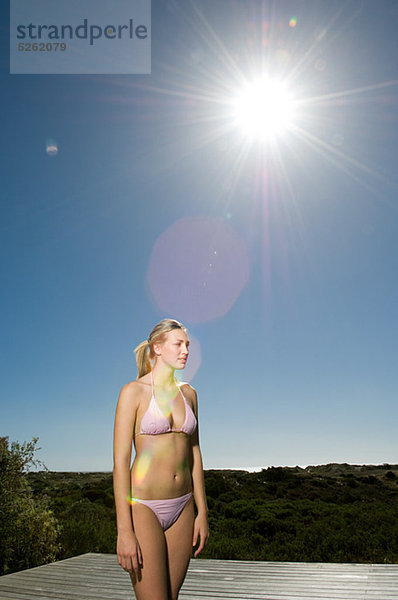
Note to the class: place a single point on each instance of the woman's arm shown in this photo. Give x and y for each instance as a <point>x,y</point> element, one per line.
<point>201,529</point>
<point>128,550</point>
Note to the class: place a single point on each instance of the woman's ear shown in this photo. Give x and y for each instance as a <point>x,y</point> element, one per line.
<point>156,349</point>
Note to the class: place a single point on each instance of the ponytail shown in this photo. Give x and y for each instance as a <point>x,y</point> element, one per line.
<point>142,357</point>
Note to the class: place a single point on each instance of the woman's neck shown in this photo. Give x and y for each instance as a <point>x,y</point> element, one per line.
<point>163,377</point>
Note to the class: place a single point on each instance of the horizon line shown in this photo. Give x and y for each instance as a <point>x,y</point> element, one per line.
<point>252,469</point>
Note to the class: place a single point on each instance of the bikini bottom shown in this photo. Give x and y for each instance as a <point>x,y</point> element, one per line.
<point>167,511</point>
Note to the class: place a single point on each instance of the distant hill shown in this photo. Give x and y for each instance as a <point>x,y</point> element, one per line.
<point>330,469</point>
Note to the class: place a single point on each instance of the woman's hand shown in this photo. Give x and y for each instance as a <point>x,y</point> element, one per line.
<point>129,553</point>
<point>201,531</point>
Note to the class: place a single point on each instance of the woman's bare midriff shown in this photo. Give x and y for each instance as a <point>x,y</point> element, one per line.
<point>162,466</point>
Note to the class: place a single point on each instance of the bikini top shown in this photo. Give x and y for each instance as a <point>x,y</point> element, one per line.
<point>154,422</point>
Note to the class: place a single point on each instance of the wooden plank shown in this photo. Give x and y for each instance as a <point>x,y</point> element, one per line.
<point>99,576</point>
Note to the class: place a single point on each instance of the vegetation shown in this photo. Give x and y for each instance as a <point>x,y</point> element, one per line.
<point>331,513</point>
<point>326,513</point>
<point>84,507</point>
<point>28,529</point>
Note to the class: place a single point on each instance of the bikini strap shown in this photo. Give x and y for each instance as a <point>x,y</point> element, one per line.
<point>152,384</point>
<point>178,384</point>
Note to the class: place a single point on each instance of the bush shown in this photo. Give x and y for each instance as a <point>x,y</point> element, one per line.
<point>28,528</point>
<point>86,527</point>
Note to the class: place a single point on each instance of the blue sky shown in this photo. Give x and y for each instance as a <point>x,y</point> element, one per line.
<point>294,321</point>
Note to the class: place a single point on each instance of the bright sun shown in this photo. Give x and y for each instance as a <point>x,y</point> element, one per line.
<point>264,109</point>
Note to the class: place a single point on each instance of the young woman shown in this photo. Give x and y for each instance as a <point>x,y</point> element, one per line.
<point>154,501</point>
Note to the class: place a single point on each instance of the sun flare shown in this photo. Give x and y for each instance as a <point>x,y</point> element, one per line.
<point>264,109</point>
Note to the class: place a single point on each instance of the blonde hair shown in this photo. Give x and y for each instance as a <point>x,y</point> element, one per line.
<point>144,352</point>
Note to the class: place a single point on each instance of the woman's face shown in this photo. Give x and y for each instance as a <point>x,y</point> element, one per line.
<point>174,349</point>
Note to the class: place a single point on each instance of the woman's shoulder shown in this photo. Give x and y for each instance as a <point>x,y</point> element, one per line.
<point>188,391</point>
<point>134,390</point>
<point>187,385</point>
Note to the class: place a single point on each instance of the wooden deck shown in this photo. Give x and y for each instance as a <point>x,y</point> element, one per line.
<point>99,577</point>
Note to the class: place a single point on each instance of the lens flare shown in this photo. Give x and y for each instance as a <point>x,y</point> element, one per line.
<point>293,22</point>
<point>198,268</point>
<point>143,463</point>
<point>51,148</point>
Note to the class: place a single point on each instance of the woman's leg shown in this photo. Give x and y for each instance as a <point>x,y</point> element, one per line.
<point>153,582</point>
<point>179,547</point>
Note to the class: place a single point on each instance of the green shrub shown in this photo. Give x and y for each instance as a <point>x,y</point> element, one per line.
<point>87,527</point>
<point>28,528</point>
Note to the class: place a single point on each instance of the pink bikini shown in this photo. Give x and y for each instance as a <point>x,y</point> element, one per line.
<point>155,423</point>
